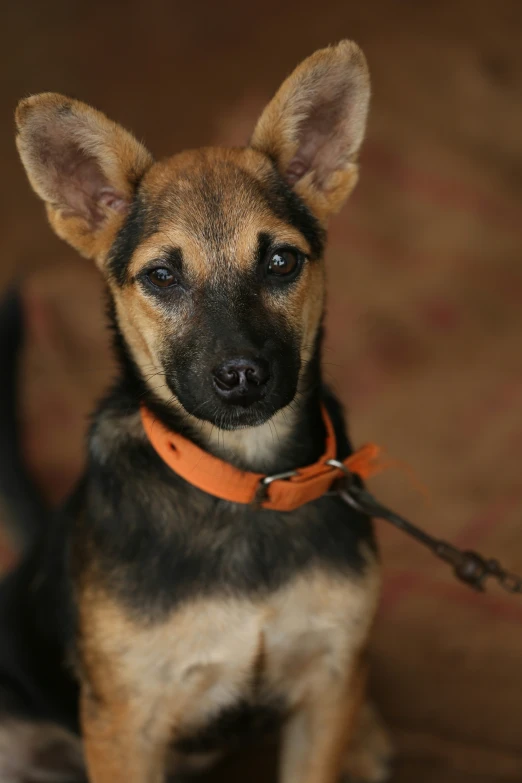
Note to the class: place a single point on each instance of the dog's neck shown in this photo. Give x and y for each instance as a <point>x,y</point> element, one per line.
<point>259,447</point>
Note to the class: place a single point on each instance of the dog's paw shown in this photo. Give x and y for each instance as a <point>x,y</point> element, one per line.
<point>369,758</point>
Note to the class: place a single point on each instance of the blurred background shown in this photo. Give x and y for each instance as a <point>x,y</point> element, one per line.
<point>425,310</point>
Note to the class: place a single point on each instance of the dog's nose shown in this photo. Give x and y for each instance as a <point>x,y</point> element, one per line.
<point>241,381</point>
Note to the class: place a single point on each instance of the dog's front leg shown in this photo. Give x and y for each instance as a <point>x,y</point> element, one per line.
<point>318,733</point>
<point>119,747</point>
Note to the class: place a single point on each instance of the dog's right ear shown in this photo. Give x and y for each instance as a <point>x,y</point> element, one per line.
<point>85,167</point>
<point>314,126</point>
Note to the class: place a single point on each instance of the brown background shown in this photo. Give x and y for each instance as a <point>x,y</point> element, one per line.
<point>425,317</point>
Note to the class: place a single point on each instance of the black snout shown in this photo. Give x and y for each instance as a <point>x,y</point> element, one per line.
<point>241,381</point>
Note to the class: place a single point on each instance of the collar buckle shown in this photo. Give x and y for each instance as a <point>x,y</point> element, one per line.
<point>264,483</point>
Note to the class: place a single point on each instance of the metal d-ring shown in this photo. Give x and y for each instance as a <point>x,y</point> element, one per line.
<point>334,463</point>
<point>348,481</point>
<point>267,480</point>
<point>264,483</point>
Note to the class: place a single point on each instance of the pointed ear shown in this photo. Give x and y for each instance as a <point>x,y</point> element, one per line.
<point>82,165</point>
<point>315,124</point>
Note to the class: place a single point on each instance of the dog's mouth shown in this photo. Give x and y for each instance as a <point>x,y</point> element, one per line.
<point>238,418</point>
<point>239,391</point>
<point>233,412</point>
<point>233,416</point>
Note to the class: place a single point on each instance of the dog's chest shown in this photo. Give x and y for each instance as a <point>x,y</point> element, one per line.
<point>213,654</point>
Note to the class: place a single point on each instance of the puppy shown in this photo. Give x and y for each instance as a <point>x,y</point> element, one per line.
<point>204,582</point>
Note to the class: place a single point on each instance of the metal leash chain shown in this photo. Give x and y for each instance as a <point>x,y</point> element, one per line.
<point>468,566</point>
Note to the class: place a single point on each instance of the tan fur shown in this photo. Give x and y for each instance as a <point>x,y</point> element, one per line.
<point>178,185</point>
<point>315,738</point>
<point>337,75</point>
<point>159,680</point>
<point>49,122</point>
<point>369,752</point>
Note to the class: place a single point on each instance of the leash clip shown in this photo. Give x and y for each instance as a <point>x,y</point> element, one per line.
<point>469,567</point>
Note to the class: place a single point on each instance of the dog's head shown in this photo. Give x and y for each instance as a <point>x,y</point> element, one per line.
<point>213,257</point>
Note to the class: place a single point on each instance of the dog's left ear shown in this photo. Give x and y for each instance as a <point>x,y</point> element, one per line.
<point>84,166</point>
<point>313,127</point>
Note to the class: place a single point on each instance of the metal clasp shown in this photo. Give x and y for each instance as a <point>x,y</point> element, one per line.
<point>276,476</point>
<point>262,491</point>
<point>347,482</point>
<point>334,463</point>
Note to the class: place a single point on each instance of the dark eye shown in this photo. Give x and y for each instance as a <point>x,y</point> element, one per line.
<point>283,263</point>
<point>161,277</point>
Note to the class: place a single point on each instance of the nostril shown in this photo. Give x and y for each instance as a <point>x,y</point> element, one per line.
<point>241,377</point>
<point>257,374</point>
<point>227,378</point>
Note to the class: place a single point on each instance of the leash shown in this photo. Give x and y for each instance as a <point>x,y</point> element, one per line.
<point>328,476</point>
<point>468,566</point>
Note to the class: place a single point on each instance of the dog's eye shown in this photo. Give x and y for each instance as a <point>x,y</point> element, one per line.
<point>161,277</point>
<point>283,263</point>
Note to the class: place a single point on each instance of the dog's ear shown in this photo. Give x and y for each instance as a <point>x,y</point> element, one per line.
<point>82,165</point>
<point>315,124</point>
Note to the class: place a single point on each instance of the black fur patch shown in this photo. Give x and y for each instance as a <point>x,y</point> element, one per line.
<point>174,256</point>
<point>37,629</point>
<point>36,612</point>
<point>139,225</point>
<point>232,727</point>
<point>143,519</point>
<point>289,207</point>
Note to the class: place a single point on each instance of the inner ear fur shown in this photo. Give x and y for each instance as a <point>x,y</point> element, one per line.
<point>84,166</point>
<point>314,126</point>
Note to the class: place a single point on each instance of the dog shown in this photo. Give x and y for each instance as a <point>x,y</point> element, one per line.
<point>201,585</point>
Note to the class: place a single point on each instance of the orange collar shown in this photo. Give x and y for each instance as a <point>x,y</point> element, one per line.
<point>283,492</point>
